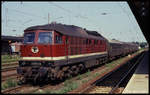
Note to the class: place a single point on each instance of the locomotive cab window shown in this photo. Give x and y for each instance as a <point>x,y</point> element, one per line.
<point>29,37</point>
<point>45,38</point>
<point>90,41</point>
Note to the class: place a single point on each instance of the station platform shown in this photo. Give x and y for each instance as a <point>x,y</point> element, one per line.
<point>139,82</point>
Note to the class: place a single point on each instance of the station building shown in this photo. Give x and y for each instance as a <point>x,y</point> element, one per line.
<point>10,44</point>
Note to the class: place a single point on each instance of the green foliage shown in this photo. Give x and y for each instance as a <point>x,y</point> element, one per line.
<point>87,73</point>
<point>84,81</point>
<point>79,77</point>
<point>9,58</point>
<point>68,86</point>
<point>95,75</point>
<point>9,83</point>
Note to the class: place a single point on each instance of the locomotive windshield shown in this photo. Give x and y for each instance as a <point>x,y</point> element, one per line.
<point>45,37</point>
<point>29,37</point>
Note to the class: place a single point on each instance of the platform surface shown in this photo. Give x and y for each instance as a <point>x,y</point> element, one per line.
<point>139,82</point>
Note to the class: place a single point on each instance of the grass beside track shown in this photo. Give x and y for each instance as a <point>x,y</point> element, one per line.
<point>8,84</point>
<point>9,58</point>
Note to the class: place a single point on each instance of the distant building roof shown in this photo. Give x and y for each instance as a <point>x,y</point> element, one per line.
<point>12,38</point>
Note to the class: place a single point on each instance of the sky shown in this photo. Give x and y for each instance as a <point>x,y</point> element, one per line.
<point>113,20</point>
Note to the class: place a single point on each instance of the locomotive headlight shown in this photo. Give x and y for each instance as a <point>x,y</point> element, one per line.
<point>34,49</point>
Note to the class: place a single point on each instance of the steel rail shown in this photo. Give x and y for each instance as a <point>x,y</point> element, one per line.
<point>104,77</point>
<point>8,69</point>
<point>13,89</point>
<point>12,76</point>
<point>8,64</point>
<point>136,63</point>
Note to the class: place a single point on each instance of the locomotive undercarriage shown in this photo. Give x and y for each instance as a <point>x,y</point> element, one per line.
<point>41,73</point>
<point>38,71</point>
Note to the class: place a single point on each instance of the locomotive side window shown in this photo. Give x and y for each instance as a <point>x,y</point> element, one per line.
<point>84,41</point>
<point>90,41</point>
<point>58,39</point>
<point>87,41</point>
<point>67,41</point>
<point>71,40</point>
<point>95,42</point>
<point>45,37</point>
<point>100,42</point>
<point>29,37</point>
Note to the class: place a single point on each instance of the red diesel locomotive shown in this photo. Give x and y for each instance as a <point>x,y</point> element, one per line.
<point>55,51</point>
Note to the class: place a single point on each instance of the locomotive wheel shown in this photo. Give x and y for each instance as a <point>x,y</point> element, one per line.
<point>81,67</point>
<point>53,76</point>
<point>75,70</point>
<point>67,74</point>
<point>70,72</point>
<point>56,73</point>
<point>60,75</point>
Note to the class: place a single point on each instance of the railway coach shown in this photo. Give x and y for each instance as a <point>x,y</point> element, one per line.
<point>119,49</point>
<point>55,51</point>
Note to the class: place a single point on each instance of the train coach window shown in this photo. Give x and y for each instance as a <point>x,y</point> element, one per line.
<point>58,39</point>
<point>45,37</point>
<point>29,37</point>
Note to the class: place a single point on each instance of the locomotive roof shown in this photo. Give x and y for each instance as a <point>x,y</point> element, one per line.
<point>115,41</point>
<point>70,30</point>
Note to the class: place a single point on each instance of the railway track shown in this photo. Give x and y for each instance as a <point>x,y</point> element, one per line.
<point>12,76</point>
<point>9,71</point>
<point>14,89</point>
<point>9,66</point>
<point>28,88</point>
<point>111,82</point>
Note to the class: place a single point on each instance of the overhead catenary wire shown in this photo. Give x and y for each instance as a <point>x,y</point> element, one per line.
<point>26,13</point>
<point>27,21</point>
<point>133,25</point>
<point>19,11</point>
<point>75,14</point>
